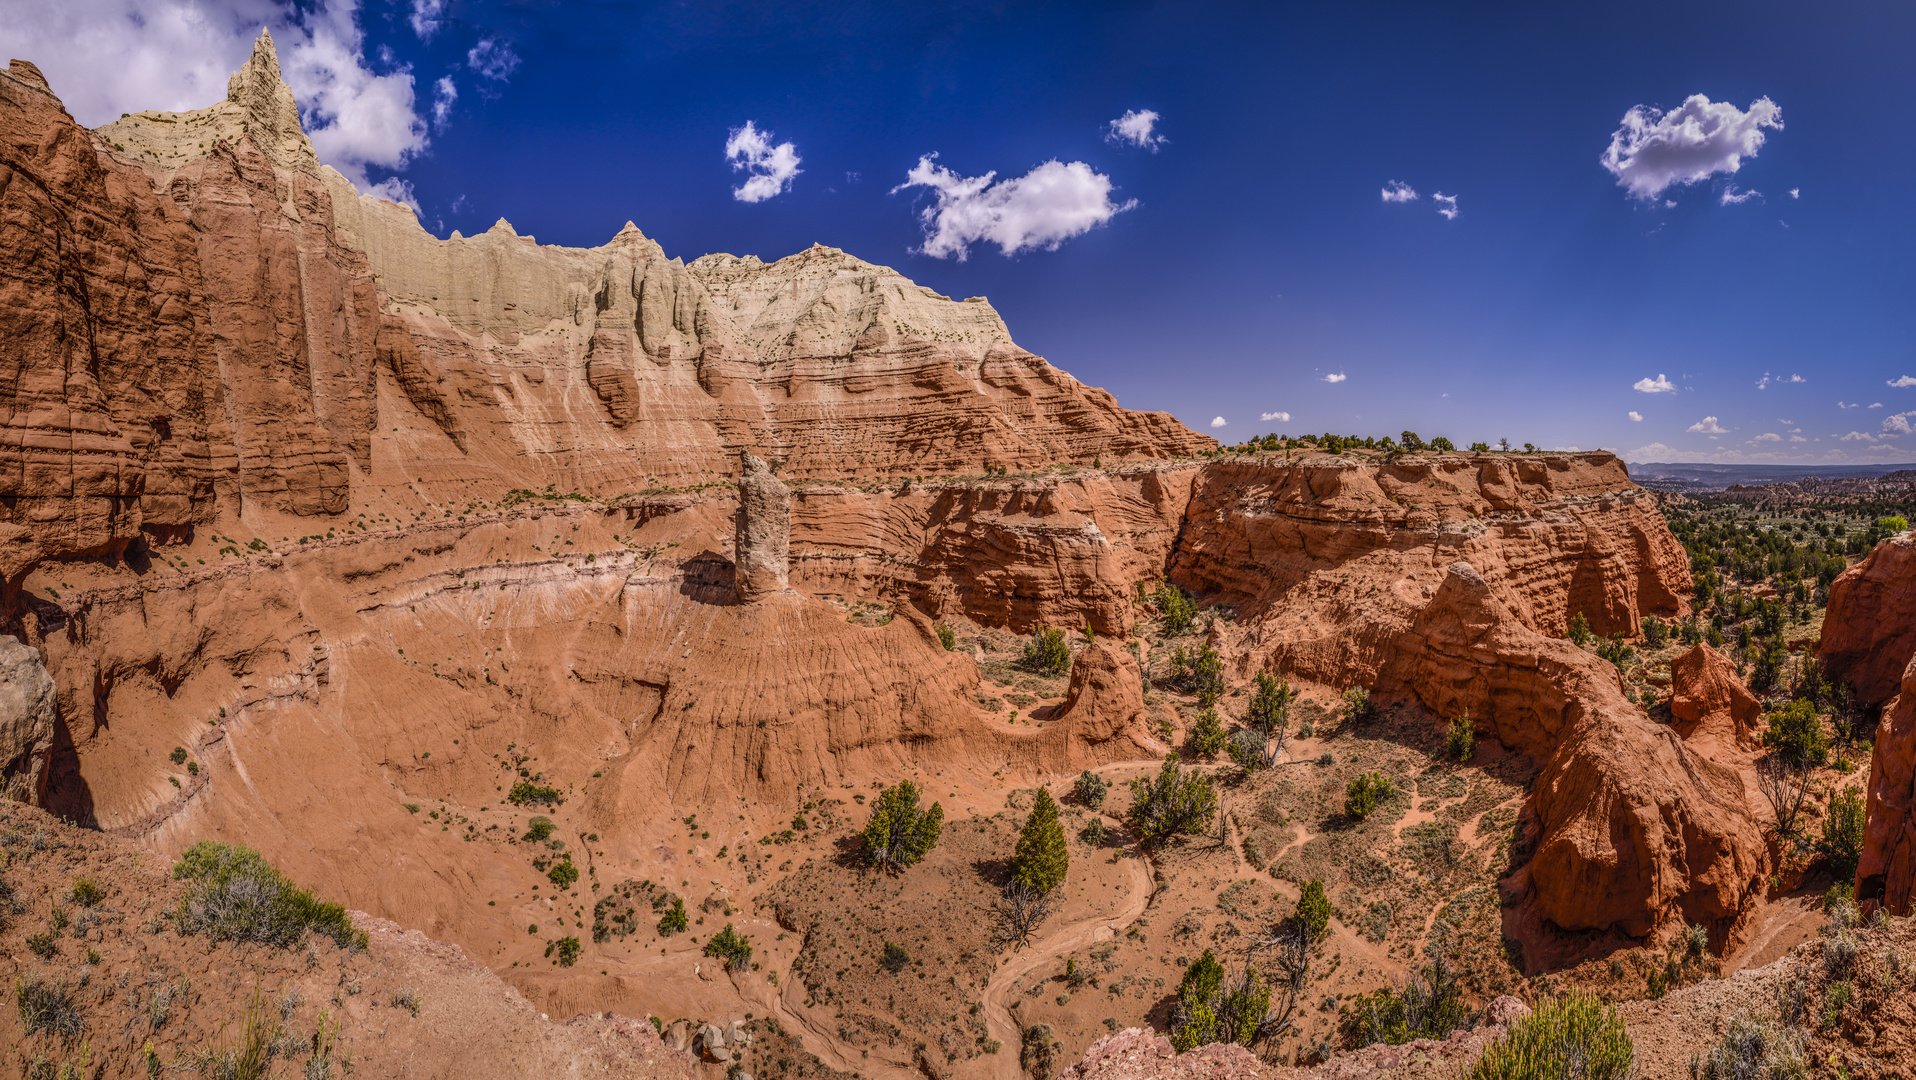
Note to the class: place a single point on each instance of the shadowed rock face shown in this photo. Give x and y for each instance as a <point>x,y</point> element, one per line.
<point>26,721</point>
<point>764,529</point>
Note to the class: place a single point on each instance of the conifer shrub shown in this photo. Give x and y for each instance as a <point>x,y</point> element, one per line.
<point>1364,792</point>
<point>1041,860</point>
<point>899,833</point>
<point>734,948</point>
<point>1171,804</point>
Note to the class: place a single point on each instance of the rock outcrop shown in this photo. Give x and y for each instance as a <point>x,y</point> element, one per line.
<point>761,554</point>
<point>1709,703</point>
<point>1634,827</point>
<point>1869,628</point>
<point>1886,874</point>
<point>27,714</point>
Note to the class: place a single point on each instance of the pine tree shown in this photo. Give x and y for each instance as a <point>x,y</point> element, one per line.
<point>899,833</point>
<point>1041,859</point>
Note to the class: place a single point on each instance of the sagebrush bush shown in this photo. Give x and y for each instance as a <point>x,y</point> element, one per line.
<point>236,895</point>
<point>1577,1037</point>
<point>47,1006</point>
<point>1751,1050</point>
<point>1090,790</point>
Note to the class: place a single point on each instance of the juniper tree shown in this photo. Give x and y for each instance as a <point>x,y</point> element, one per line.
<point>1041,859</point>
<point>899,833</point>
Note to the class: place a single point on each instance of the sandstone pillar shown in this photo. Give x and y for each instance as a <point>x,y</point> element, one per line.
<point>761,552</point>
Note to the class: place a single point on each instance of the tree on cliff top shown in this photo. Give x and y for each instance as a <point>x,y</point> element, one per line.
<point>899,833</point>
<point>1041,860</point>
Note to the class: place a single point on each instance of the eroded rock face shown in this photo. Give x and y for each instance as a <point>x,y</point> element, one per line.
<point>1635,827</point>
<point>1709,703</point>
<point>1886,874</point>
<point>27,713</point>
<point>1869,629</point>
<point>762,552</point>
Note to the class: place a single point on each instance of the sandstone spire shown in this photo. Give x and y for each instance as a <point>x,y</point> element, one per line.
<point>764,530</point>
<point>270,113</point>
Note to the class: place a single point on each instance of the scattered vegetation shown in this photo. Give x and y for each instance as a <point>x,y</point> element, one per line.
<point>1176,611</point>
<point>1576,1037</point>
<point>1428,1005</point>
<point>525,791</point>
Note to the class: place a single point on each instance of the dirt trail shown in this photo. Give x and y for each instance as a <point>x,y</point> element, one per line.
<point>1063,939</point>
<point>817,1037</point>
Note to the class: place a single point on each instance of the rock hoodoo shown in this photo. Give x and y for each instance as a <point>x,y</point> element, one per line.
<point>1886,874</point>
<point>1709,702</point>
<point>762,551</point>
<point>26,721</point>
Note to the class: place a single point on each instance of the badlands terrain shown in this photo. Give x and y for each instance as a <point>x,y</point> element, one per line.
<point>563,614</point>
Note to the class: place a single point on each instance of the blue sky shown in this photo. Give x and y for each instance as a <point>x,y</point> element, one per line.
<point>1228,269</point>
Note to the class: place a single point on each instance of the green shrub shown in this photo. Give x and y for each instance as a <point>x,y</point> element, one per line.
<point>1176,612</point>
<point>1089,790</point>
<point>563,873</point>
<point>1313,912</point>
<point>1579,630</point>
<point>947,636</point>
<point>525,791</point>
<point>1463,737</point>
<point>1364,792</point>
<point>85,892</point>
<point>894,958</point>
<point>1270,704</point>
<point>178,756</point>
<point>565,950</point>
<point>1093,832</point>
<point>538,829</point>
<point>1796,734</point>
<point>1843,833</point>
<point>1211,1009</point>
<point>730,946</point>
<point>407,998</point>
<point>42,945</point>
<point>1892,525</point>
<point>1172,803</point>
<point>1046,653</point>
<point>1042,859</point>
<point>899,833</point>
<point>236,895</point>
<point>1656,632</point>
<point>1430,1005</point>
<point>1207,734</point>
<point>1247,749</point>
<point>1574,1038</point>
<point>674,921</point>
<point>1358,705</point>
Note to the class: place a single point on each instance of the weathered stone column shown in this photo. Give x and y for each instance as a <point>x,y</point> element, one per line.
<point>761,552</point>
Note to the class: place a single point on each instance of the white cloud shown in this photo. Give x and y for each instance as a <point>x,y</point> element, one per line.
<point>444,93</point>
<point>1731,196</point>
<point>1848,405</point>
<point>1709,426</point>
<point>1859,436</point>
<point>1897,423</point>
<point>1768,436</point>
<point>1218,421</point>
<point>1656,451</point>
<point>1041,209</point>
<point>355,117</point>
<point>1137,127</point>
<point>426,17</point>
<point>1398,191</point>
<point>1658,385</point>
<point>1280,417</point>
<point>1636,416</point>
<point>493,59</point>
<point>1768,378</point>
<point>107,57</point>
<point>1446,205</point>
<point>1336,378</point>
<point>1798,438</point>
<point>1796,193</point>
<point>1902,382</point>
<point>1875,404</point>
<point>393,189</point>
<point>771,167</point>
<point>1654,150</point>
